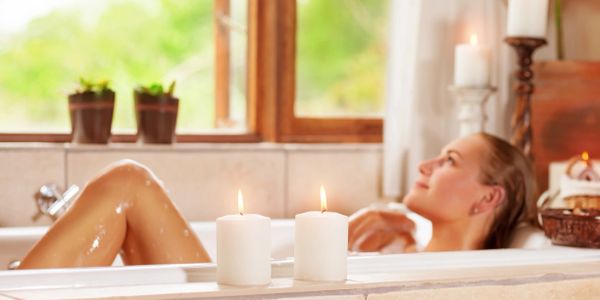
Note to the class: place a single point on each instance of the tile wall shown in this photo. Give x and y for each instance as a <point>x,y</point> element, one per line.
<point>278,180</point>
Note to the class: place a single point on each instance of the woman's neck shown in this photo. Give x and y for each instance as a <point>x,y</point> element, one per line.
<point>458,235</point>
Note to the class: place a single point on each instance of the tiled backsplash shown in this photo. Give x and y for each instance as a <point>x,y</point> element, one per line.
<point>278,180</point>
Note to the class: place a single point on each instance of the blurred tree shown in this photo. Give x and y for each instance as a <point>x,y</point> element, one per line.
<point>127,42</point>
<point>341,56</point>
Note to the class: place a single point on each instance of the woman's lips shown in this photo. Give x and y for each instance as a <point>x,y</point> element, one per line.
<point>421,185</point>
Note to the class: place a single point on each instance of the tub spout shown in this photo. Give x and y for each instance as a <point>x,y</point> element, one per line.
<point>52,202</point>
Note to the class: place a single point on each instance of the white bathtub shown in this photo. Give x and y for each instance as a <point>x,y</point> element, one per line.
<point>512,270</point>
<point>16,241</point>
<point>367,274</point>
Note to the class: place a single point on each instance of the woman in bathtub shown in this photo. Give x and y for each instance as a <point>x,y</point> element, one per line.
<point>475,193</point>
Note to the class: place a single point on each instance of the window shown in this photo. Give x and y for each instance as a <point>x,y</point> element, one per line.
<point>340,58</point>
<point>48,45</point>
<point>337,52</point>
<point>246,70</point>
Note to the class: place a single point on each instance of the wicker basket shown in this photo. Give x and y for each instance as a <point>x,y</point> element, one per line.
<point>587,202</point>
<point>576,227</point>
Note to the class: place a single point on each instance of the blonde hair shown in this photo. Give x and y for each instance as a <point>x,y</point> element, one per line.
<point>506,166</point>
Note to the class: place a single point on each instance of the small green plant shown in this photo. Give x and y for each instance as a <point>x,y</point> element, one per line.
<point>156,89</point>
<point>560,46</point>
<point>97,87</point>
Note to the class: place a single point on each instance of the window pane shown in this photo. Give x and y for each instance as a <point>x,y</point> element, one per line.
<point>45,46</point>
<point>341,56</point>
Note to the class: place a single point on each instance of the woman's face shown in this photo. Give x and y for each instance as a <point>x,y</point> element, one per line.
<point>448,185</point>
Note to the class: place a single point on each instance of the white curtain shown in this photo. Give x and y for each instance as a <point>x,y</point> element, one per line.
<point>420,115</point>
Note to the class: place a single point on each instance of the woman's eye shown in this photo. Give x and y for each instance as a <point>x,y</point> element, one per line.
<point>449,160</point>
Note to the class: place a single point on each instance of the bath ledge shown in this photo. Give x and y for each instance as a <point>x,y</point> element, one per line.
<point>177,147</point>
<point>366,275</point>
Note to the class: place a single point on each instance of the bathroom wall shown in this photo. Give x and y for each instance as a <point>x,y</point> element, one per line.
<point>278,180</point>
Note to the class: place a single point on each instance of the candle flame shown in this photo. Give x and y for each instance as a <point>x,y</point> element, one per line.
<point>473,39</point>
<point>240,202</point>
<point>585,156</point>
<point>323,199</point>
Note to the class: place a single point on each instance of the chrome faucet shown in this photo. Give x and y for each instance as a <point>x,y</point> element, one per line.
<point>52,202</point>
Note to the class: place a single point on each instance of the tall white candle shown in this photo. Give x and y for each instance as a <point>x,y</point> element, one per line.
<point>321,245</point>
<point>472,64</point>
<point>527,18</point>
<point>243,248</point>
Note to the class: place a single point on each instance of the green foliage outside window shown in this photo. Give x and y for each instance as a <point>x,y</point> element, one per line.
<point>341,59</point>
<point>127,42</point>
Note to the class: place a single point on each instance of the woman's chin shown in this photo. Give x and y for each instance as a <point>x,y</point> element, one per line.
<point>415,200</point>
<point>409,200</point>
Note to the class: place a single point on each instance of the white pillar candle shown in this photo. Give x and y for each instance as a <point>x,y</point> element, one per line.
<point>321,245</point>
<point>243,248</point>
<point>472,64</point>
<point>527,18</point>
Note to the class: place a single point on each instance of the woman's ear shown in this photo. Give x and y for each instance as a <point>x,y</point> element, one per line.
<point>494,197</point>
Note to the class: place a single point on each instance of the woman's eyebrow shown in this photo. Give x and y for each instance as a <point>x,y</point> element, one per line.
<point>450,151</point>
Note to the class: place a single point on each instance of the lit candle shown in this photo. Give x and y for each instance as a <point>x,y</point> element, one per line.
<point>527,18</point>
<point>472,64</point>
<point>588,174</point>
<point>243,248</point>
<point>320,244</point>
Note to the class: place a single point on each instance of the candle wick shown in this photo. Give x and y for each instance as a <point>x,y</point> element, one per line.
<point>241,213</point>
<point>323,211</point>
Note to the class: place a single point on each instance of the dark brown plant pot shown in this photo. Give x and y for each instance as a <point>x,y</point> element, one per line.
<point>156,117</point>
<point>91,116</point>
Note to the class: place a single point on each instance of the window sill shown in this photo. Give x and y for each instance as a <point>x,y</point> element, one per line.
<point>183,147</point>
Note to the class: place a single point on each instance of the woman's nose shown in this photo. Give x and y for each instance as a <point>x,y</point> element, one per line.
<point>426,167</point>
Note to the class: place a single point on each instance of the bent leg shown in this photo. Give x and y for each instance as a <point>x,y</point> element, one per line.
<point>125,208</point>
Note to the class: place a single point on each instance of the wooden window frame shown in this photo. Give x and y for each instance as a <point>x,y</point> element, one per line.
<point>221,31</point>
<point>308,129</point>
<point>271,65</point>
<point>274,84</point>
<point>221,35</point>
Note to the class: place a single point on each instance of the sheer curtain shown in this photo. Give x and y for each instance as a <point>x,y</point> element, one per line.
<point>420,115</point>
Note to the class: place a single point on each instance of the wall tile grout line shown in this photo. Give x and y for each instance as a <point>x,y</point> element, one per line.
<point>286,176</point>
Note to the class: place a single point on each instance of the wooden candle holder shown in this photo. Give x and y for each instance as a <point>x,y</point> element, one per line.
<point>521,119</point>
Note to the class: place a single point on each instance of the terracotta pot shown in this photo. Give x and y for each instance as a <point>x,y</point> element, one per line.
<point>91,116</point>
<point>156,117</point>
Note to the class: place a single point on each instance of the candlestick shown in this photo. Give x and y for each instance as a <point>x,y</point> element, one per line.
<point>521,119</point>
<point>471,64</point>
<point>243,248</point>
<point>321,245</point>
<point>471,113</point>
<point>527,18</point>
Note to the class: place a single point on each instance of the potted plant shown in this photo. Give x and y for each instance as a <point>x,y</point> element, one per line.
<point>91,109</point>
<point>156,113</point>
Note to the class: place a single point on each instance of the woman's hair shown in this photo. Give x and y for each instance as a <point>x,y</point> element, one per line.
<point>508,167</point>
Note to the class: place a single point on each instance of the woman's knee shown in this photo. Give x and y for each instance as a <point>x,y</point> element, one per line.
<point>125,170</point>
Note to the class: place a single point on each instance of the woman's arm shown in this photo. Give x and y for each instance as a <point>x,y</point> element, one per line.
<point>377,229</point>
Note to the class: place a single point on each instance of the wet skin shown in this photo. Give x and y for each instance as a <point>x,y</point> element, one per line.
<point>124,210</point>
